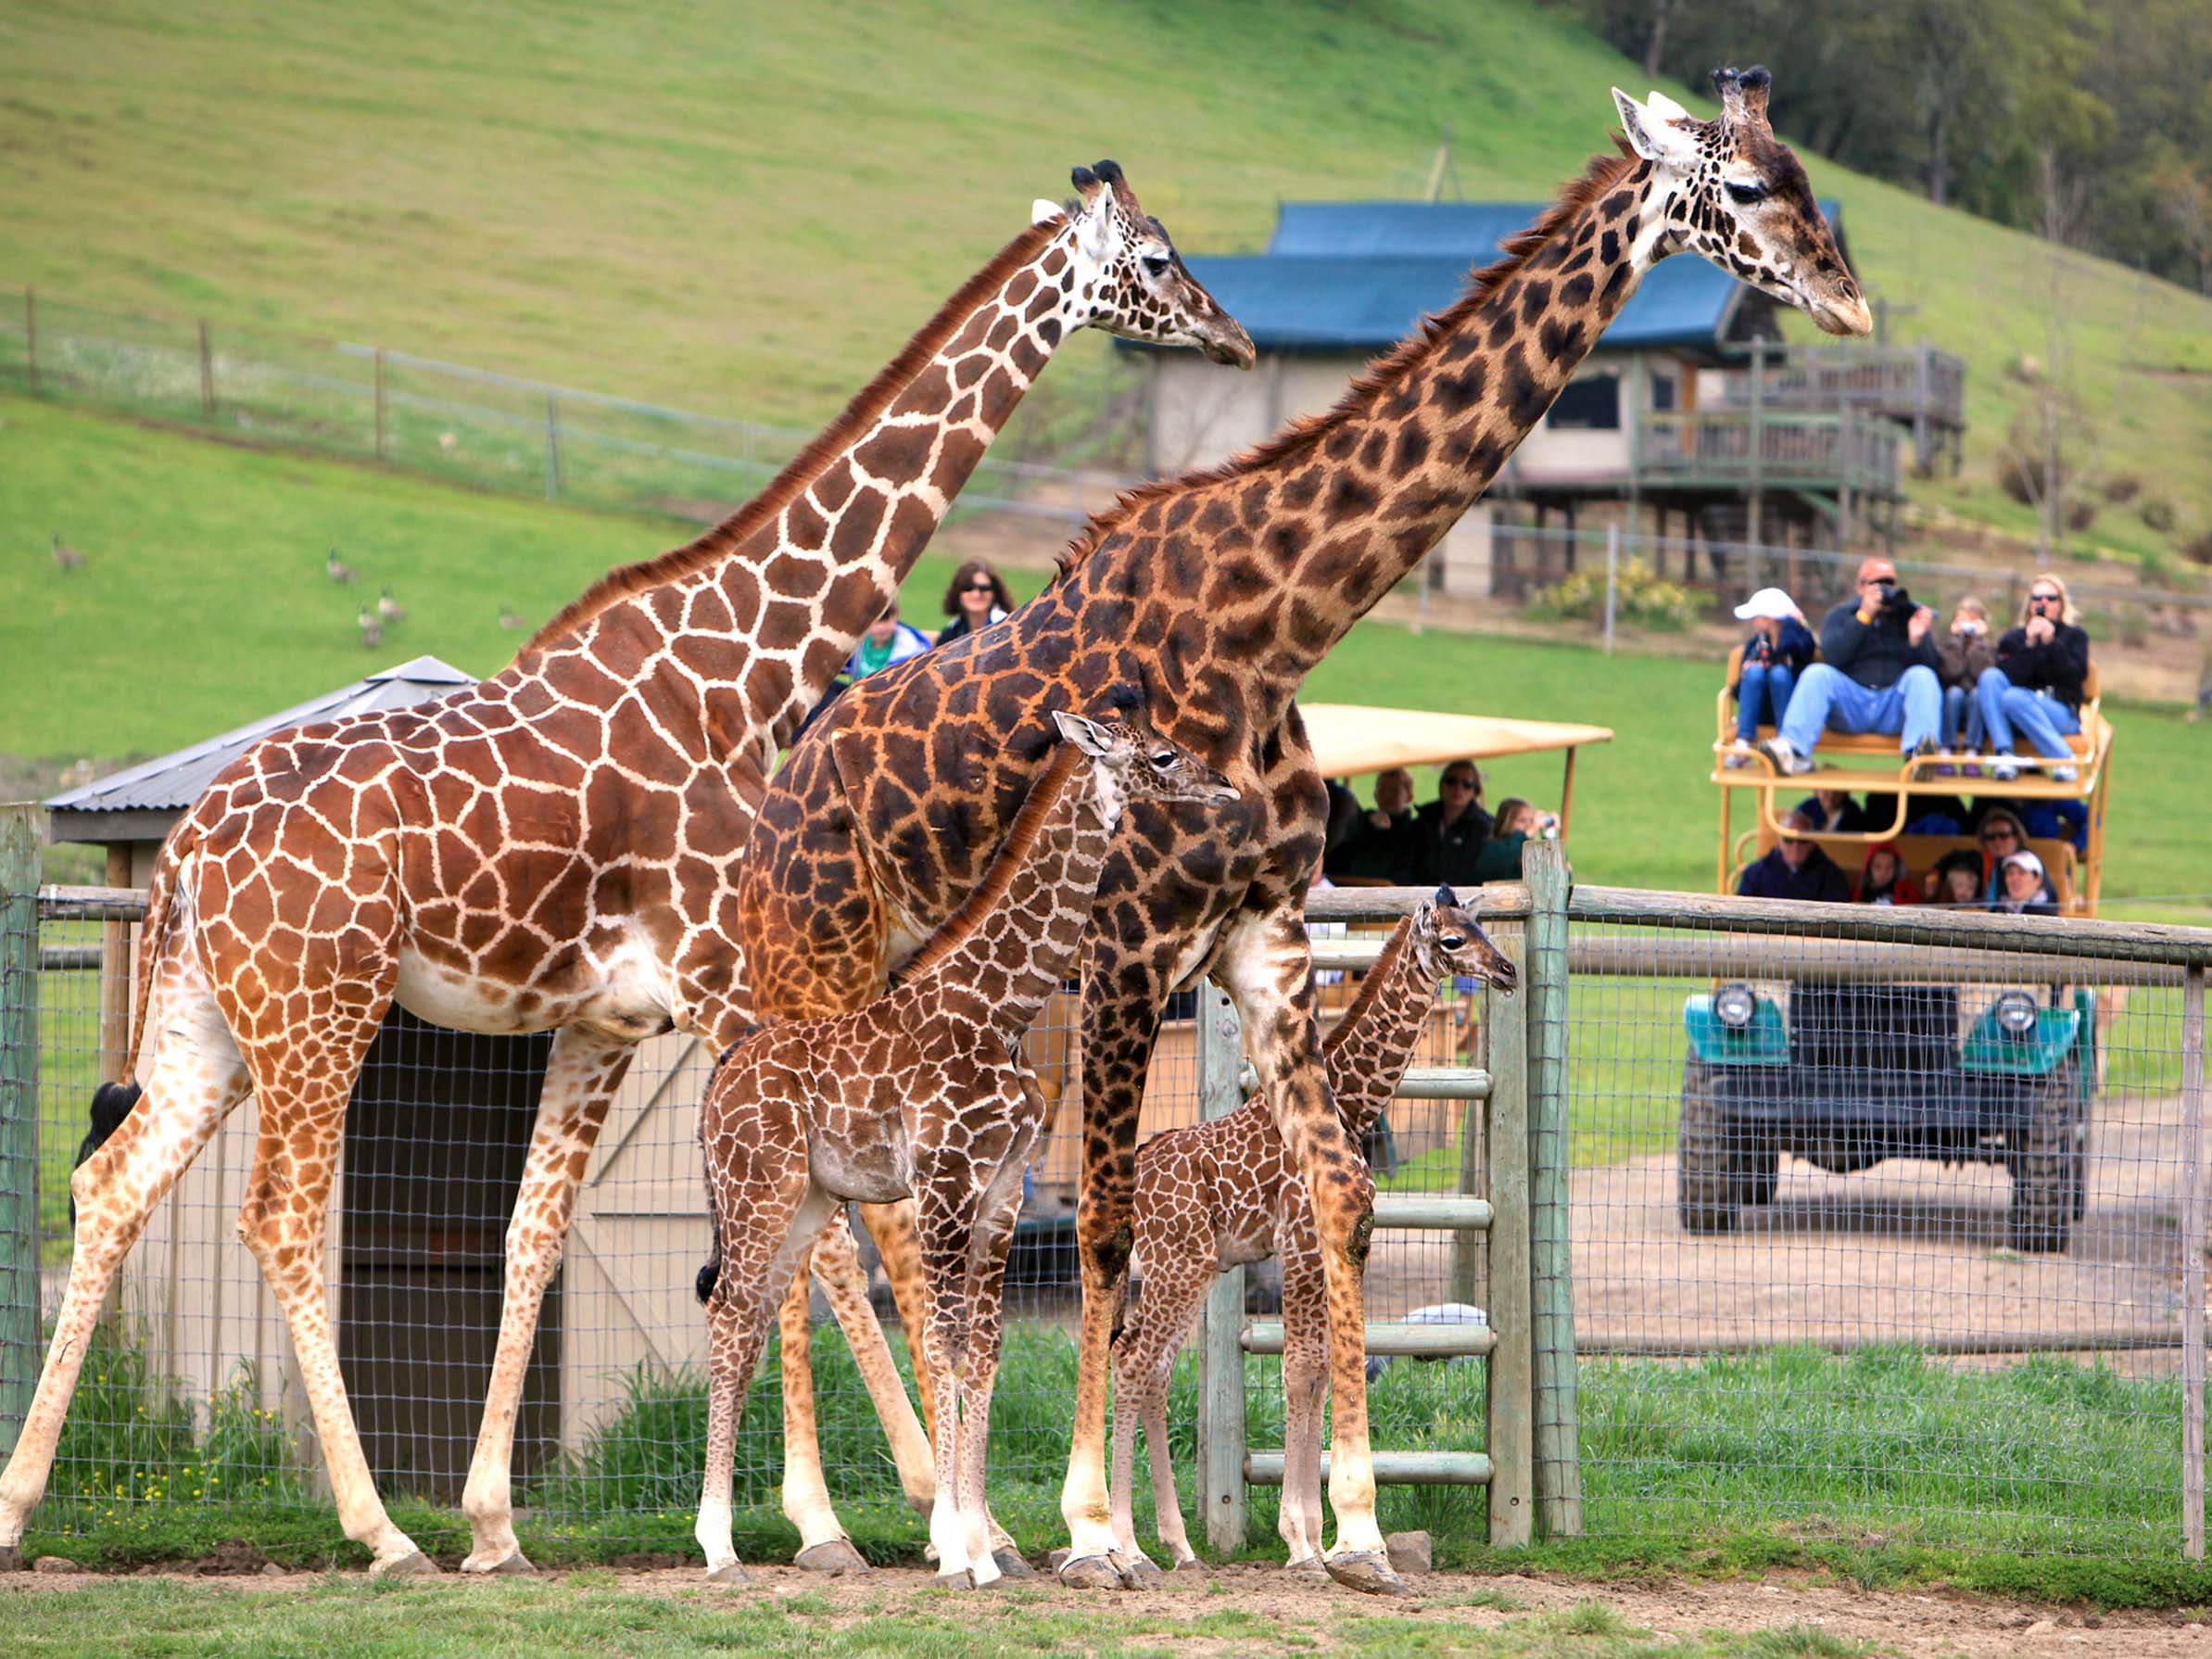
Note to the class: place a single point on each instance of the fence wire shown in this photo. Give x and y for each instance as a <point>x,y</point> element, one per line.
<point>1841,1327</point>
<point>1898,1258</point>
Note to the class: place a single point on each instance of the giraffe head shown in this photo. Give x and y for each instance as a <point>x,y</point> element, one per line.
<point>1130,281</point>
<point>1133,763</point>
<point>1447,940</point>
<point>1732,191</point>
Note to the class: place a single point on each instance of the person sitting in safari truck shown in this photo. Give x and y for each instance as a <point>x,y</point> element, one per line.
<point>1877,674</point>
<point>1779,649</point>
<point>2037,682</point>
<point>1796,868</point>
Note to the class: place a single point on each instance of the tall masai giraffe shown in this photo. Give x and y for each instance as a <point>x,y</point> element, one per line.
<point>1218,1195</point>
<point>1203,602</point>
<point>552,849</point>
<point>922,1093</point>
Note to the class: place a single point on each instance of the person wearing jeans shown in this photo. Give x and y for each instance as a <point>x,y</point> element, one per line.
<point>1877,674</point>
<point>2035,687</point>
<point>1960,658</point>
<point>1779,649</point>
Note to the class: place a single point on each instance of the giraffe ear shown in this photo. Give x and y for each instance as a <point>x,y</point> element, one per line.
<point>1445,898</point>
<point>1654,134</point>
<point>1043,212</point>
<point>1086,735</point>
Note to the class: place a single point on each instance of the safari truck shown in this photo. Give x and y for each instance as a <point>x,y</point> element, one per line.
<point>1349,742</point>
<point>1852,1060</point>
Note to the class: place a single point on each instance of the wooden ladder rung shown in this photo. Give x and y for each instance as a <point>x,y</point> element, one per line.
<point>1408,1341</point>
<point>1392,1468</point>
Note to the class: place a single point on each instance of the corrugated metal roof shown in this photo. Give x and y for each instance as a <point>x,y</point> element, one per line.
<point>1357,276</point>
<point>174,782</point>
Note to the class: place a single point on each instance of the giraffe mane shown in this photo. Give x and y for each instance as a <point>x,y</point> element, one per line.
<point>1044,794</point>
<point>626,580</point>
<point>1601,174</point>
<point>1370,988</point>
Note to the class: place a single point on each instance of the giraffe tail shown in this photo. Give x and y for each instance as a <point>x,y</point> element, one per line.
<point>711,1272</point>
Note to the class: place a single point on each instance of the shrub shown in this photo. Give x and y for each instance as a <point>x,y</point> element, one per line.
<point>2080,514</point>
<point>2121,488</point>
<point>2157,512</point>
<point>1640,595</point>
<point>2197,549</point>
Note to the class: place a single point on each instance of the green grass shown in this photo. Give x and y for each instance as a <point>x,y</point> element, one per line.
<point>1912,1469</point>
<point>202,605</point>
<point>748,219</point>
<point>587,1619</point>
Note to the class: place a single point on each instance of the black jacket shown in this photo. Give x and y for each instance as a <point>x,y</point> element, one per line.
<point>1819,877</point>
<point>2058,667</point>
<point>1875,653</point>
<point>1376,854</point>
<point>1794,651</point>
<point>1432,851</point>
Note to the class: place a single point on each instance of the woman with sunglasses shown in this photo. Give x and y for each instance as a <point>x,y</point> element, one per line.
<point>977,598</point>
<point>2036,685</point>
<point>2001,834</point>
<point>1447,833</point>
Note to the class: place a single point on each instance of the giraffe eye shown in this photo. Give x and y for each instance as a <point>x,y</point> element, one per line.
<point>1451,941</point>
<point>1164,759</point>
<point>1155,264</point>
<point>1745,194</point>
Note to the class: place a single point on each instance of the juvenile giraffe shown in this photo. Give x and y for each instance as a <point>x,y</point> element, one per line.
<point>1219,1194</point>
<point>1207,598</point>
<point>922,1093</point>
<point>553,848</point>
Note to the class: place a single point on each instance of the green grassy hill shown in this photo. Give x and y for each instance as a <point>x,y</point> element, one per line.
<point>744,210</point>
<point>202,604</point>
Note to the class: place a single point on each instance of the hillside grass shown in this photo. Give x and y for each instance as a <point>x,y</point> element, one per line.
<point>744,210</point>
<point>202,605</point>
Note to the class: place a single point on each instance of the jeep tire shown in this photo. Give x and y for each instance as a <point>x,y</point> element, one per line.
<point>1717,1172</point>
<point>2049,1167</point>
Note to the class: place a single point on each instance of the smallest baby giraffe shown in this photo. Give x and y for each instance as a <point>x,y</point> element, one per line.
<point>1222,1194</point>
<point>921,1094</point>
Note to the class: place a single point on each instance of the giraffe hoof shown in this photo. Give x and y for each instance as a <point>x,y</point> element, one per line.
<point>413,1565</point>
<point>506,1566</point>
<point>1011,1565</point>
<point>729,1571</point>
<point>1138,1572</point>
<point>836,1556</point>
<point>1368,1572</point>
<point>1091,1572</point>
<point>11,1558</point>
<point>959,1580</point>
<point>1189,1569</point>
<point>1307,1567</point>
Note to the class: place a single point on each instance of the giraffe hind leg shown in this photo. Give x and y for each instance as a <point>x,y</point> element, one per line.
<point>197,1079</point>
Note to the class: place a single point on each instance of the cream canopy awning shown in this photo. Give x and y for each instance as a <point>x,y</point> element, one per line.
<point>1348,738</point>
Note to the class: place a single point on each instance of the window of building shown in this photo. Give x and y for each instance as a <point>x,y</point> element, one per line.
<point>1663,390</point>
<point>1592,405</point>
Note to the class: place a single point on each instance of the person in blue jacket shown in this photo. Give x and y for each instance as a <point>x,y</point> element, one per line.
<point>1877,674</point>
<point>1779,649</point>
<point>1796,868</point>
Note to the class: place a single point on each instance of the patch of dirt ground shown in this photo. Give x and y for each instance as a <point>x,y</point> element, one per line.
<point>1903,1621</point>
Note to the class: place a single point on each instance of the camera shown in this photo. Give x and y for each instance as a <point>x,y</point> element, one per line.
<point>1895,600</point>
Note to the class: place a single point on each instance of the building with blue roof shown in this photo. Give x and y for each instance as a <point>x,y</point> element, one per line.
<point>1662,425</point>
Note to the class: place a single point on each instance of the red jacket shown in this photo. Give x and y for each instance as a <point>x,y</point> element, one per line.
<point>1902,890</point>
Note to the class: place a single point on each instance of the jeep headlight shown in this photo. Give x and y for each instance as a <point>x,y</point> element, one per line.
<point>1733,1006</point>
<point>2015,1014</point>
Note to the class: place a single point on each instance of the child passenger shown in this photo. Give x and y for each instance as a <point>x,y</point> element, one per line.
<point>1781,647</point>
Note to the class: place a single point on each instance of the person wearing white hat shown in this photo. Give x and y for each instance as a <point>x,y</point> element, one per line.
<point>2021,890</point>
<point>1778,650</point>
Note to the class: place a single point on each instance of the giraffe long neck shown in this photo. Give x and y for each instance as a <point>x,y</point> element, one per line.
<point>1369,1049</point>
<point>1016,938</point>
<point>762,610</point>
<point>1252,573</point>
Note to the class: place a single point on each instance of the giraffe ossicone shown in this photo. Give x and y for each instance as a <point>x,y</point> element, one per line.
<point>922,1093</point>
<point>1207,600</point>
<point>553,848</point>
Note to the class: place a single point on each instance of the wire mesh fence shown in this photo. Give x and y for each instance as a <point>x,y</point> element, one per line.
<point>1882,1227</point>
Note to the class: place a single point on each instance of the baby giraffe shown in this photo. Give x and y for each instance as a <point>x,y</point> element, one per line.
<point>921,1094</point>
<point>1222,1194</point>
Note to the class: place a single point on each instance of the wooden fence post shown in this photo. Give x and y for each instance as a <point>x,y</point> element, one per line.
<point>31,335</point>
<point>1220,1353</point>
<point>1513,1375</point>
<point>206,374</point>
<point>380,405</point>
<point>1557,1410</point>
<point>18,1116</point>
<point>553,448</point>
<point>2192,1264</point>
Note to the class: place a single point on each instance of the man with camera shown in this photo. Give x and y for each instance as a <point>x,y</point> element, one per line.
<point>1877,674</point>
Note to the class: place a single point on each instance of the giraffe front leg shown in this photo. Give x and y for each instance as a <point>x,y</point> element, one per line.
<point>1305,1375</point>
<point>945,1218</point>
<point>1267,969</point>
<point>1121,1003</point>
<point>837,1267</point>
<point>581,1076</point>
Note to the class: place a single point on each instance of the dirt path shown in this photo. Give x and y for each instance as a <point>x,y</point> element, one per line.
<point>1903,1621</point>
<point>1907,1252</point>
